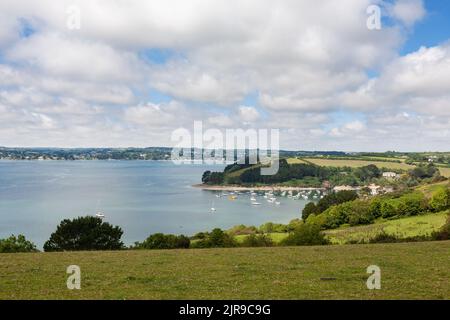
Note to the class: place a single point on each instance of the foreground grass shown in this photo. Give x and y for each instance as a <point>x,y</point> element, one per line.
<point>409,271</point>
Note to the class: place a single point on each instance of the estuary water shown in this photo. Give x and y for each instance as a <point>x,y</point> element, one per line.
<point>142,197</point>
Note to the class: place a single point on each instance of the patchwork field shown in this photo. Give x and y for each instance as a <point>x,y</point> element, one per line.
<point>403,228</point>
<point>358,163</point>
<point>409,271</point>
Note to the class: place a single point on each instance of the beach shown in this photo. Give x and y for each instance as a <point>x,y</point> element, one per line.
<point>255,188</point>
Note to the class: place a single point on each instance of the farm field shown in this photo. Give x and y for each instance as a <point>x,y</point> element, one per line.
<point>409,271</point>
<point>403,228</point>
<point>445,171</point>
<point>358,163</point>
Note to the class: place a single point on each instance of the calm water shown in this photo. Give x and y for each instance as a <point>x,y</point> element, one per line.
<point>142,197</point>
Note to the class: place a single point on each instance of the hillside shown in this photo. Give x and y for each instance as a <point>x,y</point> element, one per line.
<point>409,271</point>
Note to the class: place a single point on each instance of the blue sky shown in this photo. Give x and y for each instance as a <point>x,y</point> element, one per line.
<point>132,74</point>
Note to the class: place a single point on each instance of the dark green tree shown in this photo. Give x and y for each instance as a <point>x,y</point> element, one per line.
<point>85,233</point>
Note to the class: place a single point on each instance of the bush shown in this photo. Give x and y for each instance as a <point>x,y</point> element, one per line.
<point>271,227</point>
<point>440,200</point>
<point>444,232</point>
<point>163,241</point>
<point>260,240</point>
<point>15,244</point>
<point>359,212</point>
<point>410,204</point>
<point>84,233</point>
<point>242,230</point>
<point>306,235</point>
<point>216,239</point>
<point>293,224</point>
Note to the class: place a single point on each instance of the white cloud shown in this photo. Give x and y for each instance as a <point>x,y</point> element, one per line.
<point>248,113</point>
<point>408,11</point>
<point>302,59</point>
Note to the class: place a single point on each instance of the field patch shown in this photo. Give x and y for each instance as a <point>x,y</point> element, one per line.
<point>358,163</point>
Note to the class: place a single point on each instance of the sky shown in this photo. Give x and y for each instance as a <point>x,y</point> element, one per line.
<point>121,73</point>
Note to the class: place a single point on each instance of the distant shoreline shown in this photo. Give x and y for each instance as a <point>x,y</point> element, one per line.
<point>256,188</point>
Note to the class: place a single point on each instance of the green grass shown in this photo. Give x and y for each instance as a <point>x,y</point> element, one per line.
<point>403,228</point>
<point>409,271</point>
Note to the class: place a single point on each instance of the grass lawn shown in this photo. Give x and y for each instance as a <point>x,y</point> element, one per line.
<point>358,163</point>
<point>409,271</point>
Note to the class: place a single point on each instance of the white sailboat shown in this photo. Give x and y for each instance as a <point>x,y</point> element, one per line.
<point>99,215</point>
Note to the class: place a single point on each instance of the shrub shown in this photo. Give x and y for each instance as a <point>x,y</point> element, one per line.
<point>271,227</point>
<point>388,208</point>
<point>85,233</point>
<point>241,230</point>
<point>164,241</point>
<point>307,234</point>
<point>260,240</point>
<point>359,212</point>
<point>440,200</point>
<point>293,224</point>
<point>444,232</point>
<point>15,244</point>
<point>215,239</point>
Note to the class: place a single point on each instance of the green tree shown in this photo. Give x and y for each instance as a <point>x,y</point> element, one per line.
<point>309,209</point>
<point>15,244</point>
<point>84,233</point>
<point>217,238</point>
<point>260,240</point>
<point>440,200</point>
<point>307,234</point>
<point>164,241</point>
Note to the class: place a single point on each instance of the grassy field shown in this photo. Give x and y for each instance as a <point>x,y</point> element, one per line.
<point>358,163</point>
<point>409,271</point>
<point>445,171</point>
<point>403,228</point>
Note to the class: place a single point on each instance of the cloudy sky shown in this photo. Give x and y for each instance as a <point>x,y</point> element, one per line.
<point>136,70</point>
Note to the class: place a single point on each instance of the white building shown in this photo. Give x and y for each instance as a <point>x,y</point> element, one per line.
<point>390,175</point>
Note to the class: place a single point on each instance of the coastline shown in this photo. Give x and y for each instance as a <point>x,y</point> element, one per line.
<point>256,188</point>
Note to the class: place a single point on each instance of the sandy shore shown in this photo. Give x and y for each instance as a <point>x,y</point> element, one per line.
<point>259,188</point>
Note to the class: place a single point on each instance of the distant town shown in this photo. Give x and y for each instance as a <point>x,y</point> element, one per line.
<point>164,153</point>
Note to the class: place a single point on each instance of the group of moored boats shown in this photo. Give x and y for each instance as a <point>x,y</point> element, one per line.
<point>271,196</point>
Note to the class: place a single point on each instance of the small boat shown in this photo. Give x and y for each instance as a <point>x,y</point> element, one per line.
<point>99,215</point>
<point>217,195</point>
<point>277,203</point>
<point>253,199</point>
<point>213,209</point>
<point>256,203</point>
